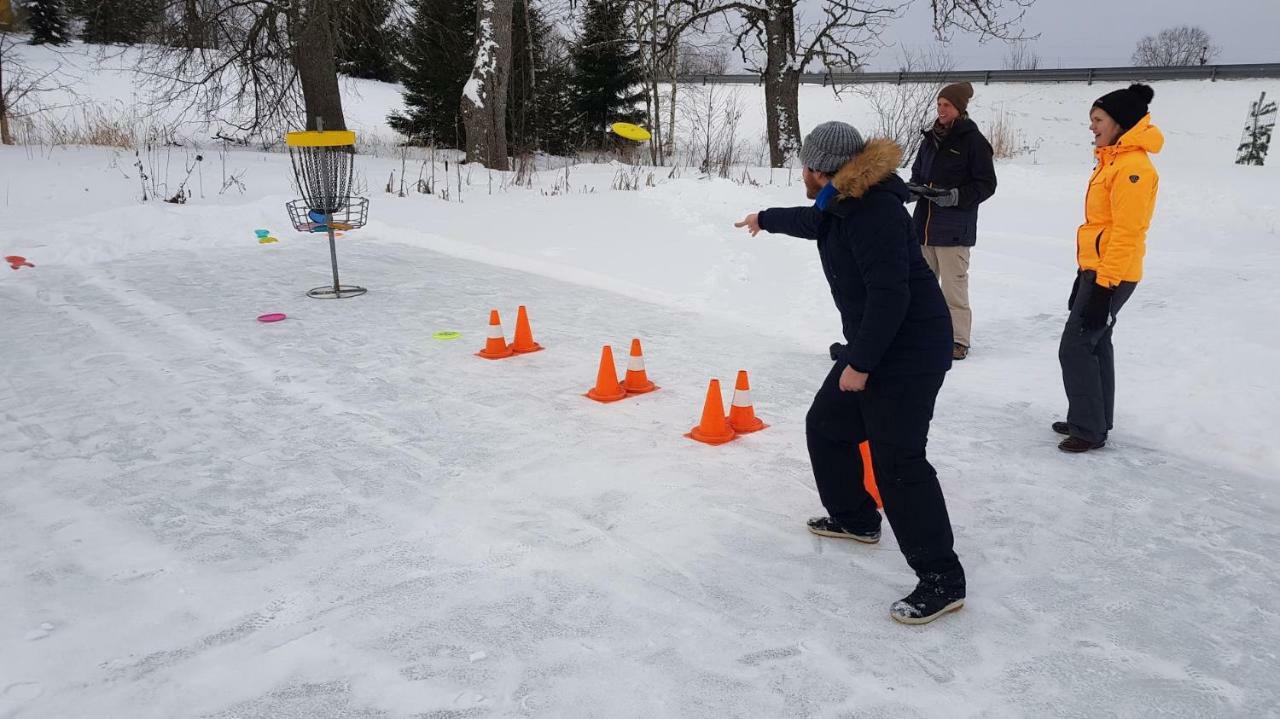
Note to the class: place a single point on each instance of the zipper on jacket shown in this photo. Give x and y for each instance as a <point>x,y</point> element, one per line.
<point>927,219</point>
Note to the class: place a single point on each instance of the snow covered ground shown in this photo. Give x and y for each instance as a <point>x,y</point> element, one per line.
<point>338,516</point>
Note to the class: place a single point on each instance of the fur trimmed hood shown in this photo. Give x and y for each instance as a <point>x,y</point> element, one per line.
<point>877,161</point>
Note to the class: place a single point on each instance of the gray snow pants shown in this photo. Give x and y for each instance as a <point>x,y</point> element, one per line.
<point>1088,364</point>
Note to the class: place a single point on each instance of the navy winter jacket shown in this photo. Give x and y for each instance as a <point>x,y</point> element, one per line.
<point>894,317</point>
<point>962,160</point>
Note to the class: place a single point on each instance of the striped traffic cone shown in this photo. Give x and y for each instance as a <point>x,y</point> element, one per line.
<point>496,346</point>
<point>742,416</point>
<point>637,381</point>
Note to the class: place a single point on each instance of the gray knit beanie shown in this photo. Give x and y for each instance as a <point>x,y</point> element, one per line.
<point>830,145</point>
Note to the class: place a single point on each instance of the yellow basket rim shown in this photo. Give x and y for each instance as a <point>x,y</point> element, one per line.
<point>313,138</point>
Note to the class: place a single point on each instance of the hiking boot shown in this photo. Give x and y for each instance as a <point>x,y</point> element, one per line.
<point>1062,428</point>
<point>836,349</point>
<point>828,527</point>
<point>959,351</point>
<point>934,596</point>
<point>1076,445</point>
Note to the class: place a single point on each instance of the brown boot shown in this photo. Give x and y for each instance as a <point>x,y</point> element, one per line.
<point>1076,445</point>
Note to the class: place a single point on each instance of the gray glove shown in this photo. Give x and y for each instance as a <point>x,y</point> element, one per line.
<point>947,198</point>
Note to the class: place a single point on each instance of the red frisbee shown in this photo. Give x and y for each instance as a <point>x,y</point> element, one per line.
<point>272,317</point>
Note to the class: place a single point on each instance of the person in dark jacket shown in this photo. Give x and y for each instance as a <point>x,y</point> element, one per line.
<point>885,381</point>
<point>952,175</point>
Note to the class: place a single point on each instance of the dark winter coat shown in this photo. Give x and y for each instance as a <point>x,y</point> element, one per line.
<point>894,317</point>
<point>961,160</point>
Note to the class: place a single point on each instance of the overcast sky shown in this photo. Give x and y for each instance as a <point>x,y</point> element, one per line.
<point>1095,33</point>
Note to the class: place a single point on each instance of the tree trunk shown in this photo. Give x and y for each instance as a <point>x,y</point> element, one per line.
<point>532,99</point>
<point>484,97</point>
<point>781,83</point>
<point>673,69</point>
<point>192,25</point>
<point>655,144</point>
<point>314,59</point>
<point>5,137</point>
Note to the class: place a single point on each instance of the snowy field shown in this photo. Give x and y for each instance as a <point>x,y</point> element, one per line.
<point>339,516</point>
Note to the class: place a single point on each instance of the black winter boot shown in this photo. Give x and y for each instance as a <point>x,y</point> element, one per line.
<point>828,527</point>
<point>1062,428</point>
<point>935,595</point>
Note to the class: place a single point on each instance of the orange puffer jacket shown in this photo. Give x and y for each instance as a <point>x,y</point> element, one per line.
<point>1118,206</point>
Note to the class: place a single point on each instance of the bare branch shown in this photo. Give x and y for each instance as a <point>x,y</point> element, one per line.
<point>984,18</point>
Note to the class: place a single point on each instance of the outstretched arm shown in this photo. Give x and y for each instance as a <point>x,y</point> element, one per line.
<point>802,222</point>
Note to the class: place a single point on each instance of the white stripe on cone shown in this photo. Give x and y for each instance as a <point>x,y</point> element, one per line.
<point>742,398</point>
<point>495,332</point>
<point>635,364</point>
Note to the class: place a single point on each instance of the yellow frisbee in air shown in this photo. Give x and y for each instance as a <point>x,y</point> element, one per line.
<point>630,132</point>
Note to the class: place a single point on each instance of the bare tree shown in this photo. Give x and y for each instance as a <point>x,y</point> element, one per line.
<point>484,97</point>
<point>902,111</point>
<point>845,33</point>
<point>274,64</point>
<point>1021,56</point>
<point>22,88</point>
<point>6,49</point>
<point>709,120</point>
<point>1176,47</point>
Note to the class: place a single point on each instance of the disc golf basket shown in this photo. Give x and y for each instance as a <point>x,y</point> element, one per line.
<point>323,165</point>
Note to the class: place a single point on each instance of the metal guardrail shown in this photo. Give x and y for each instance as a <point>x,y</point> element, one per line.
<point>1084,74</point>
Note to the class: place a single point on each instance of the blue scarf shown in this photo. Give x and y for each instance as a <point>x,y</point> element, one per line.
<point>827,196</point>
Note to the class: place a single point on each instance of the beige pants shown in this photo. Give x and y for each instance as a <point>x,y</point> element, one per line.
<point>951,265</point>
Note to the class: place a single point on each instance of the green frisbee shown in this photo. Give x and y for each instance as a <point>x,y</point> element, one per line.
<point>446,335</point>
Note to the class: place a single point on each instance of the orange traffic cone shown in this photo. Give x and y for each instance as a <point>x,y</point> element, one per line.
<point>496,346</point>
<point>869,475</point>
<point>742,416</point>
<point>607,388</point>
<point>637,381</point>
<point>524,343</point>
<point>714,428</point>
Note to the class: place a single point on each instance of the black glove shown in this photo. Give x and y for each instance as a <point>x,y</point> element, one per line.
<point>945,198</point>
<point>836,349</point>
<point>1097,310</point>
<point>1075,288</point>
<point>917,191</point>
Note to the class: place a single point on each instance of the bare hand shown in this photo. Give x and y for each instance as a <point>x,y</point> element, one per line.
<point>851,380</point>
<point>751,222</point>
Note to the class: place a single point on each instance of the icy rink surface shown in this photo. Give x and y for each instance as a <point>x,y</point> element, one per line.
<point>337,516</point>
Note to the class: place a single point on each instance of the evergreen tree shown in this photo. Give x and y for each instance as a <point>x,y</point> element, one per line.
<point>437,63</point>
<point>367,39</point>
<point>540,93</point>
<point>607,72</point>
<point>1257,133</point>
<point>48,22</point>
<point>557,121</point>
<point>119,22</point>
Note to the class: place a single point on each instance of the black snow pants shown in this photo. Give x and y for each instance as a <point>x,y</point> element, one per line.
<point>893,413</point>
<point>1089,365</point>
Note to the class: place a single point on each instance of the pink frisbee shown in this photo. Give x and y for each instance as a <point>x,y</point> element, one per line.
<point>272,317</point>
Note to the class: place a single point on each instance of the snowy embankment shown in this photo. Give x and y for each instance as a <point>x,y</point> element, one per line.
<point>339,516</point>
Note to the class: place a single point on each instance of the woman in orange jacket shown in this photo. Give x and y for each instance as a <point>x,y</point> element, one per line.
<point>1109,249</point>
